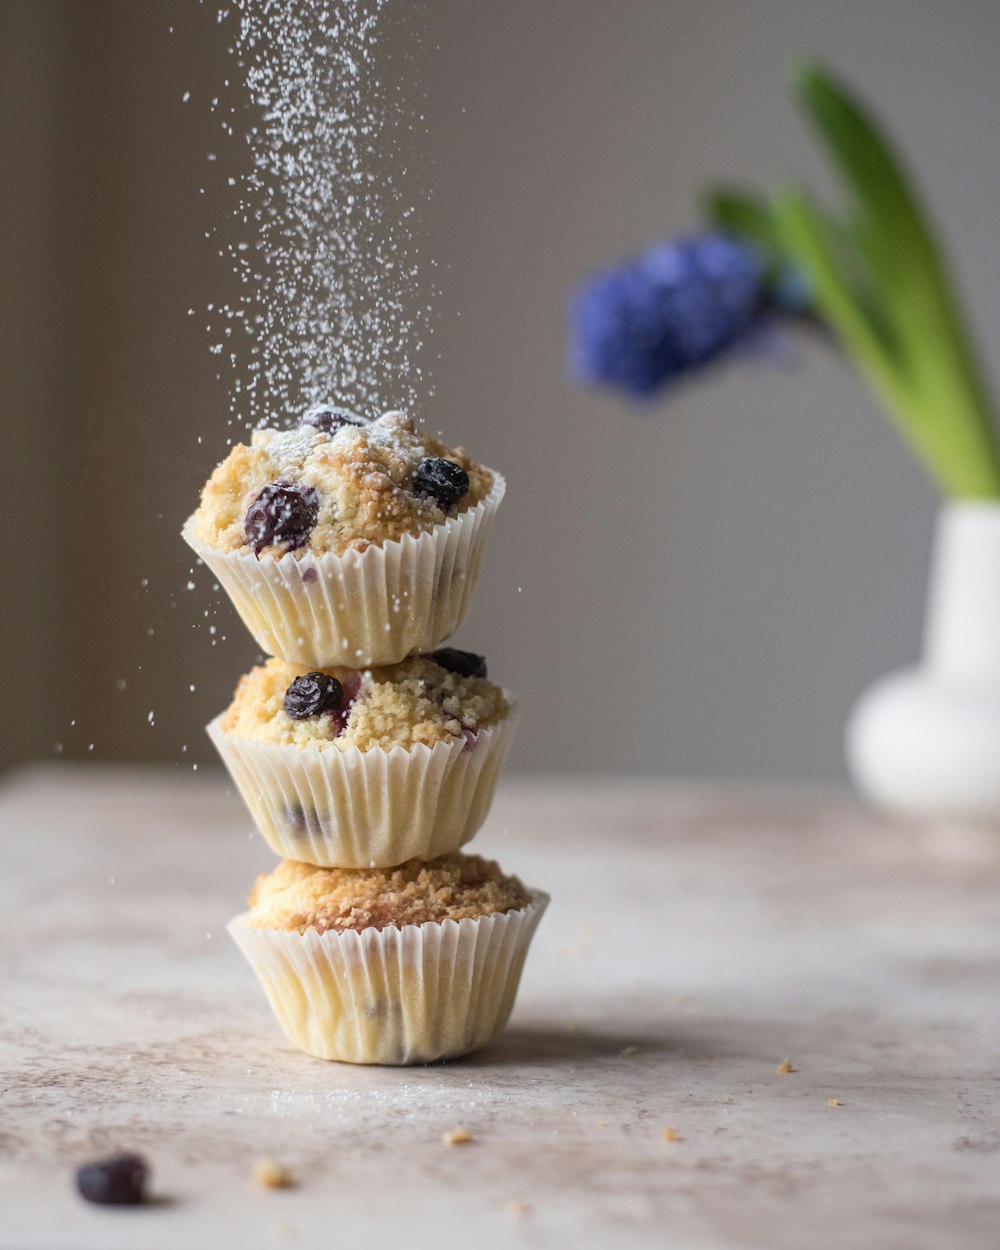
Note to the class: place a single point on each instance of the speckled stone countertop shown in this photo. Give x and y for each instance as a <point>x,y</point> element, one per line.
<point>696,940</point>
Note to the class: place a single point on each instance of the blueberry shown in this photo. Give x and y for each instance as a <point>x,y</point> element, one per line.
<point>327,419</point>
<point>312,694</point>
<point>303,821</point>
<point>444,480</point>
<point>296,818</point>
<point>464,663</point>
<point>283,512</point>
<point>118,1180</point>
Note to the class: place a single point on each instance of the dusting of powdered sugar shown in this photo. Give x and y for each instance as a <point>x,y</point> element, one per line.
<point>325,236</point>
<point>289,448</point>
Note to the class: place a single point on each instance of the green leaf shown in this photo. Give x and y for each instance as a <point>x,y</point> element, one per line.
<point>818,245</point>
<point>746,215</point>
<point>869,168</point>
<point>881,282</point>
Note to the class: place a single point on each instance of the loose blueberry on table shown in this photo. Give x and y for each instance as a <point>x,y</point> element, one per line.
<point>119,1180</point>
<point>326,418</point>
<point>312,695</point>
<point>283,512</point>
<point>462,663</point>
<point>443,480</point>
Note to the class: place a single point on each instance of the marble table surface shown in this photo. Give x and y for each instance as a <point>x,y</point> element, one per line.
<point>696,940</point>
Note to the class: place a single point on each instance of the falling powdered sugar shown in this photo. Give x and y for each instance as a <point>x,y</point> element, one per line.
<point>336,302</point>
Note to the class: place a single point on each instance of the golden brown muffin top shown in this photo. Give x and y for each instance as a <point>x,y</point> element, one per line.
<point>297,896</point>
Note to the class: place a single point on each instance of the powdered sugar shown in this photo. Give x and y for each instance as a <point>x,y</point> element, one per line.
<point>336,298</point>
<point>287,448</point>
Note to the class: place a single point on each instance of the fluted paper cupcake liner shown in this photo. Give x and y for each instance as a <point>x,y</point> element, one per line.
<point>370,607</point>
<point>397,995</point>
<point>376,808</point>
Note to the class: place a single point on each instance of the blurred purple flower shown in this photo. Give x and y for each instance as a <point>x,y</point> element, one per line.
<point>666,312</point>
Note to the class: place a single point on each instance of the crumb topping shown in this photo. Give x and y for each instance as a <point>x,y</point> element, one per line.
<point>362,476</point>
<point>398,705</point>
<point>297,896</point>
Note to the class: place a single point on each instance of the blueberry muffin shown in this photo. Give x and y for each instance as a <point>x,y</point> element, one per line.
<point>347,542</point>
<point>335,483</point>
<point>440,697</point>
<point>371,767</point>
<point>408,965</point>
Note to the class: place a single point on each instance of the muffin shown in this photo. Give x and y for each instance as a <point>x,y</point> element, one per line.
<point>346,542</point>
<point>403,965</point>
<point>367,768</point>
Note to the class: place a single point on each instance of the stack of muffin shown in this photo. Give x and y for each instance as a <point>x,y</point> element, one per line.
<point>366,756</point>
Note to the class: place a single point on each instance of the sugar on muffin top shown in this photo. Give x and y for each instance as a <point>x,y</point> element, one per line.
<point>333,484</point>
<point>297,896</point>
<point>425,699</point>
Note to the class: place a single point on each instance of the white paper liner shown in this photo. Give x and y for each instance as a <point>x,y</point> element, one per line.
<point>371,607</point>
<point>360,809</point>
<point>396,996</point>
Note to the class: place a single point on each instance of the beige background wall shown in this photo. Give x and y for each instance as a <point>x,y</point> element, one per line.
<point>700,590</point>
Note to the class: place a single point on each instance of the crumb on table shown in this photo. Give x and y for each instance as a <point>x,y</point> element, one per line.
<point>670,1134</point>
<point>834,1102</point>
<point>785,1066</point>
<point>457,1136</point>
<point>272,1174</point>
<point>517,1209</point>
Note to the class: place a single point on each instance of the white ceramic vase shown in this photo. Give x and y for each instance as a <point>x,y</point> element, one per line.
<point>926,740</point>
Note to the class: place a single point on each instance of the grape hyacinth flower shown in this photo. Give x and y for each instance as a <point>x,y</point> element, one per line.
<point>666,312</point>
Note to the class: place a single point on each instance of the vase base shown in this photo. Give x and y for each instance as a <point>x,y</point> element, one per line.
<point>922,746</point>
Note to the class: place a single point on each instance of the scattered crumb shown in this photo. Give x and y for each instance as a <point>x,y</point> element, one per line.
<point>834,1102</point>
<point>785,1067</point>
<point>457,1136</point>
<point>727,1099</point>
<point>671,1134</point>
<point>517,1209</point>
<point>629,1051</point>
<point>601,1123</point>
<point>272,1174</point>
